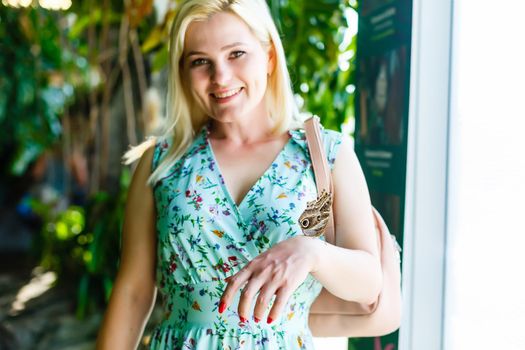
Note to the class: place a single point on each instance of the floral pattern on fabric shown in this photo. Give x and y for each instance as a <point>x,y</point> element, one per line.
<point>204,237</point>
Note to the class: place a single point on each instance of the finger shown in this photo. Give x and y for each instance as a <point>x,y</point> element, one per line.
<point>263,300</point>
<point>281,298</point>
<point>235,282</point>
<point>247,297</point>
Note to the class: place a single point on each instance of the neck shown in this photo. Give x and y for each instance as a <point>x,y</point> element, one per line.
<point>243,131</point>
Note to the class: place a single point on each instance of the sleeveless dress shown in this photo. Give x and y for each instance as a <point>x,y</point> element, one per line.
<point>204,237</point>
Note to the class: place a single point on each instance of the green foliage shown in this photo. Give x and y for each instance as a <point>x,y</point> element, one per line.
<point>105,219</point>
<point>30,102</point>
<point>81,244</point>
<point>313,38</point>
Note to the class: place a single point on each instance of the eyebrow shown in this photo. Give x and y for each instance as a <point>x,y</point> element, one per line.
<point>229,46</point>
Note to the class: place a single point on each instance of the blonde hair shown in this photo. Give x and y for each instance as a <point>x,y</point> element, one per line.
<point>184,117</point>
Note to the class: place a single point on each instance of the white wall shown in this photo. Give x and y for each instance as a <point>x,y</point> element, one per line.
<point>485,274</point>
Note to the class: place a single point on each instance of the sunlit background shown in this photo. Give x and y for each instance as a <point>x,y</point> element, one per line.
<point>47,4</point>
<point>485,284</point>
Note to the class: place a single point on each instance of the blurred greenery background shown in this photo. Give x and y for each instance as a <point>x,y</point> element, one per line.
<point>82,81</point>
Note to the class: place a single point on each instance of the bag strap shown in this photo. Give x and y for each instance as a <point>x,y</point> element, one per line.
<point>323,176</point>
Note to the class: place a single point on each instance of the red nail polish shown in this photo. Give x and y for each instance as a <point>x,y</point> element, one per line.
<point>256,319</point>
<point>222,306</point>
<point>243,320</point>
<point>269,320</point>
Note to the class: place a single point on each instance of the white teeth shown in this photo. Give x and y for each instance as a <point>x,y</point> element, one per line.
<point>227,94</point>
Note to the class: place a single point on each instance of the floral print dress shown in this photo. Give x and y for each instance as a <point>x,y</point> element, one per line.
<point>204,237</point>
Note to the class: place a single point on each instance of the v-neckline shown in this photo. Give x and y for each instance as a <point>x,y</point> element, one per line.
<point>222,181</point>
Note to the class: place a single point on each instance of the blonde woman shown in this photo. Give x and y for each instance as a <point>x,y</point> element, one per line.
<point>211,215</point>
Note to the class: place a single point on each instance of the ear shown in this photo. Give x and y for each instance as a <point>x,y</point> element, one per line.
<point>272,59</point>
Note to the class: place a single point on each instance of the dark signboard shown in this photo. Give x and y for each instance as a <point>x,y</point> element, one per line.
<point>383,60</point>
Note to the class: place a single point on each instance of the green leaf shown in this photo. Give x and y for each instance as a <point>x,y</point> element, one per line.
<point>154,39</point>
<point>160,59</point>
<point>108,287</point>
<point>82,296</point>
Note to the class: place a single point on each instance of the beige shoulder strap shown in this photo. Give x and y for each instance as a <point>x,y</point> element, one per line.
<point>323,177</point>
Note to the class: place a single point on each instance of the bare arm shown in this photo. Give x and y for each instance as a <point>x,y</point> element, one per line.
<point>134,290</point>
<point>351,270</point>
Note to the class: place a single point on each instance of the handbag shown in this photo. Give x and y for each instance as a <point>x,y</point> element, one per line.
<point>331,316</point>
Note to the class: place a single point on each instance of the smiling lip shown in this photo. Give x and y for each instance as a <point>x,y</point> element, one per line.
<point>226,95</point>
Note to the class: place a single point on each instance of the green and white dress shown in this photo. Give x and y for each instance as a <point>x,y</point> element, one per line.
<point>204,237</point>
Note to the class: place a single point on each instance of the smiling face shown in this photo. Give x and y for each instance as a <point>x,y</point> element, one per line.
<point>225,68</point>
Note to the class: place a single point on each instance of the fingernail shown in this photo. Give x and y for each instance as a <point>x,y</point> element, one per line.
<point>269,320</point>
<point>256,319</point>
<point>222,306</point>
<point>243,320</point>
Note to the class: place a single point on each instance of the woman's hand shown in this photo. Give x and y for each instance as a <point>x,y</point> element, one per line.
<point>278,271</point>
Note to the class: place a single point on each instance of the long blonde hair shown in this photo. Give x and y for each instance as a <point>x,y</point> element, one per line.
<point>184,119</point>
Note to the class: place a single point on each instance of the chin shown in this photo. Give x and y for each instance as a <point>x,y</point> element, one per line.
<point>221,118</point>
<point>225,117</point>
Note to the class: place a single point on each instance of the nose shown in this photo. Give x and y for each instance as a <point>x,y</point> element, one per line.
<point>221,74</point>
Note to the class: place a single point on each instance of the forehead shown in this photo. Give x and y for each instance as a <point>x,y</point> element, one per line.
<point>220,29</point>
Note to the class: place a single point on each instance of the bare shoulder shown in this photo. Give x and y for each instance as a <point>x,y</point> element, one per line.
<point>144,166</point>
<point>353,212</point>
<point>140,203</point>
<point>346,159</point>
<point>138,231</point>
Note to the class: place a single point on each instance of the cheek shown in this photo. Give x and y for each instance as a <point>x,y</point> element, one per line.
<point>196,76</point>
<point>193,89</point>
<point>255,75</point>
<point>198,82</point>
<point>261,82</point>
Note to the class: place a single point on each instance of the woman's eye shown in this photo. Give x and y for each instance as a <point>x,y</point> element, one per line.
<point>236,54</point>
<point>199,62</point>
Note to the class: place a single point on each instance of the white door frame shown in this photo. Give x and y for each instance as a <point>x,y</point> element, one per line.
<point>426,182</point>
